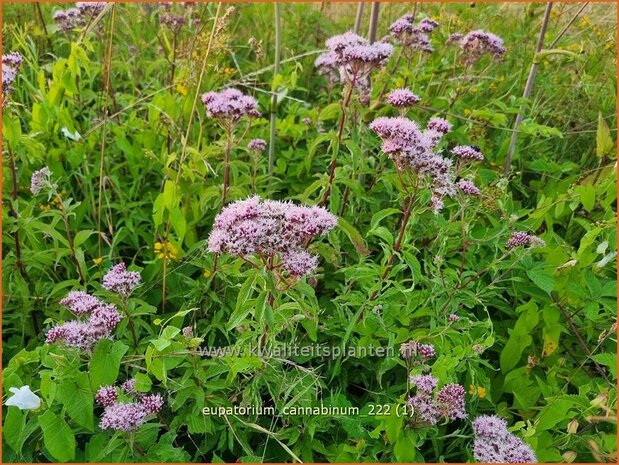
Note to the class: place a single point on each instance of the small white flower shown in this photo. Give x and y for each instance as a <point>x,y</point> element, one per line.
<point>23,398</point>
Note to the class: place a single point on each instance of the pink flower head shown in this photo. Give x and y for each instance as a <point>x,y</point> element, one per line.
<point>522,239</point>
<point>300,263</point>
<point>230,105</point>
<point>354,58</point>
<point>10,66</point>
<point>468,188</point>
<point>80,302</point>
<point>409,148</point>
<point>121,281</point>
<point>426,351</point>
<point>41,181</point>
<point>106,396</point>
<point>123,417</point>
<point>477,43</point>
<point>425,383</point>
<point>467,152</point>
<point>257,145</point>
<point>402,98</point>
<point>172,21</point>
<point>440,125</point>
<point>453,318</point>
<point>413,38</point>
<point>495,444</point>
<point>269,228</point>
<point>152,403</point>
<point>451,400</point>
<point>129,386</point>
<point>90,8</point>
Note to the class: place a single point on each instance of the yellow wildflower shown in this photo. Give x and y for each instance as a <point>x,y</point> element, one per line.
<point>166,250</point>
<point>97,261</point>
<point>479,390</point>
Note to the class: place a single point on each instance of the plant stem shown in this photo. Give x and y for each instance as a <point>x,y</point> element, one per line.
<point>409,201</point>
<point>340,132</point>
<point>527,90</point>
<point>106,88</point>
<point>65,218</point>
<point>227,163</point>
<point>359,17</point>
<point>374,13</point>
<point>276,70</point>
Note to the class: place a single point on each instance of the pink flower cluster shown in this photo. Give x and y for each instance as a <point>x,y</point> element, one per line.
<point>121,281</point>
<point>10,66</point>
<point>467,152</point>
<point>40,181</point>
<point>430,407</point>
<point>402,98</point>
<point>523,239</point>
<point>412,349</point>
<point>477,43</point>
<point>80,16</point>
<point>354,58</point>
<point>172,21</point>
<point>271,228</point>
<point>494,444</point>
<point>126,416</point>
<point>257,145</point>
<point>468,188</point>
<point>230,105</point>
<point>414,38</point>
<point>411,148</point>
<point>84,334</point>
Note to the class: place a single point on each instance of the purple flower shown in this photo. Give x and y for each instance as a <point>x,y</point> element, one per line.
<point>494,444</point>
<point>468,188</point>
<point>522,239</point>
<point>453,318</point>
<point>188,332</point>
<point>257,145</point>
<point>408,349</point>
<point>425,383</point>
<point>425,351</point>
<point>477,43</point>
<point>129,386</point>
<point>121,281</point>
<point>300,263</point>
<point>152,403</point>
<point>230,105</point>
<point>270,228</point>
<point>123,417</point>
<point>412,149</point>
<point>424,407</point>
<point>413,38</point>
<point>172,21</point>
<point>466,152</point>
<point>83,335</point>
<point>80,302</point>
<point>40,181</point>
<point>90,8</point>
<point>451,400</point>
<point>106,396</point>
<point>307,121</point>
<point>402,98</point>
<point>440,125</point>
<point>354,58</point>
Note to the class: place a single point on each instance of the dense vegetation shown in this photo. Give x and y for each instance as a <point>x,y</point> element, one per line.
<point>481,286</point>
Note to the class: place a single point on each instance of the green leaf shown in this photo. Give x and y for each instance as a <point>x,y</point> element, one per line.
<point>608,360</point>
<point>354,236</point>
<point>57,437</point>
<point>105,363</point>
<point>14,422</point>
<point>604,141</point>
<point>542,279</point>
<point>77,397</point>
<point>243,305</point>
